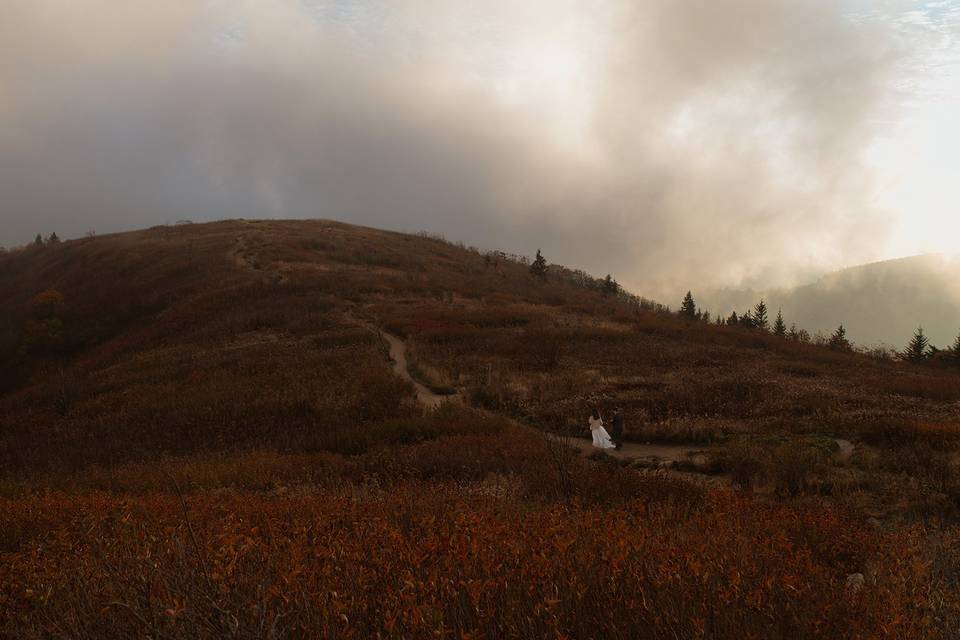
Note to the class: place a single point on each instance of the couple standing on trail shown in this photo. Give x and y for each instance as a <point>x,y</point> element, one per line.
<point>602,439</point>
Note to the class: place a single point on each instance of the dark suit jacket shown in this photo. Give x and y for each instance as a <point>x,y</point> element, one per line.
<point>616,427</point>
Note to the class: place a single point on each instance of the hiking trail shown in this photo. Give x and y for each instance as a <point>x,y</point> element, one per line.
<point>655,454</point>
<point>398,355</point>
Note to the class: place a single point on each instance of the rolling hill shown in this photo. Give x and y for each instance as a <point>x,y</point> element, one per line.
<point>201,435</point>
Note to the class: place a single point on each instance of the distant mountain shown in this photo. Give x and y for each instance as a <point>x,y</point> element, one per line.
<point>878,303</point>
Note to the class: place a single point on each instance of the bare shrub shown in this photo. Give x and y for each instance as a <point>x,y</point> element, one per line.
<point>794,466</point>
<point>745,462</point>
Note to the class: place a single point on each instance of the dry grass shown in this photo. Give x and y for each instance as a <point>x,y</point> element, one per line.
<point>322,501</point>
<point>422,560</point>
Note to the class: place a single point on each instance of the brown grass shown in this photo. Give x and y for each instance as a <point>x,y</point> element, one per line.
<point>322,501</point>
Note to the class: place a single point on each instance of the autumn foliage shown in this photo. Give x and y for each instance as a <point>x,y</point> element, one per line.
<point>447,559</point>
<point>201,436</point>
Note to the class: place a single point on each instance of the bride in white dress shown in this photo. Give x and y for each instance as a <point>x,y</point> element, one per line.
<point>601,439</point>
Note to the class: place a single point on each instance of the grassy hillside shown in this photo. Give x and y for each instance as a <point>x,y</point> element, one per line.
<point>200,435</point>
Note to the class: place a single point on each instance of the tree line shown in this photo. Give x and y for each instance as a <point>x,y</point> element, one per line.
<point>919,349</point>
<point>608,286</point>
<point>41,241</point>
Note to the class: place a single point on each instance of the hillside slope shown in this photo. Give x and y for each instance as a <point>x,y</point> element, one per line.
<point>188,337</point>
<point>200,435</point>
<point>210,336</point>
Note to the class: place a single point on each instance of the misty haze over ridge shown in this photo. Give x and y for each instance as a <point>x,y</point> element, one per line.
<point>675,144</point>
<point>879,303</point>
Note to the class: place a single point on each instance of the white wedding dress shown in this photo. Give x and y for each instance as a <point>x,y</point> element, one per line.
<point>601,439</point>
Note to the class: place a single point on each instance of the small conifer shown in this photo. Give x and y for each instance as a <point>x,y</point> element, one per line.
<point>688,307</point>
<point>779,327</point>
<point>760,320</point>
<point>919,347</point>
<point>610,286</point>
<point>838,341</point>
<point>955,351</point>
<point>539,266</point>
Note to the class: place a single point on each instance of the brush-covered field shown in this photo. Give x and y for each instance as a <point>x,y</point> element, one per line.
<point>201,437</point>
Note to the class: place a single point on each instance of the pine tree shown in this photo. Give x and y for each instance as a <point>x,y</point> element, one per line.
<point>919,347</point>
<point>719,320</point>
<point>688,307</point>
<point>38,241</point>
<point>747,321</point>
<point>539,266</point>
<point>838,341</point>
<point>53,238</point>
<point>609,286</point>
<point>706,317</point>
<point>733,320</point>
<point>955,350</point>
<point>779,327</point>
<point>760,320</point>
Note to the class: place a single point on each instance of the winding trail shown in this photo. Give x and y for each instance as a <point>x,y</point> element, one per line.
<point>398,354</point>
<point>629,451</point>
<point>662,453</point>
<point>242,255</point>
<point>655,454</point>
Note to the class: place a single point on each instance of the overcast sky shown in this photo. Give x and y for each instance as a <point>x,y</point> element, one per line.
<point>675,143</point>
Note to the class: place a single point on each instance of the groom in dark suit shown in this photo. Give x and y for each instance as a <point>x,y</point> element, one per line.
<point>616,427</point>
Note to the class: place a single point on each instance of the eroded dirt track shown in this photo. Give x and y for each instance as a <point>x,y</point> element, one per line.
<point>398,355</point>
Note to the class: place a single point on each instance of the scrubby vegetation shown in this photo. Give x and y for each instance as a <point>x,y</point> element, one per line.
<point>200,436</point>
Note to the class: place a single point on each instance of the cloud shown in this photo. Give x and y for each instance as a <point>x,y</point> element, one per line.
<point>674,143</point>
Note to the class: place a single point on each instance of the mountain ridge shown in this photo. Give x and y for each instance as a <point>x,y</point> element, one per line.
<point>879,303</point>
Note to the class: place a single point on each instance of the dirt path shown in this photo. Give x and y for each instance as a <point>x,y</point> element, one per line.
<point>655,453</point>
<point>243,256</point>
<point>629,451</point>
<point>398,354</point>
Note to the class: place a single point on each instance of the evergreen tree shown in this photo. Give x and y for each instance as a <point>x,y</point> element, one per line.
<point>38,241</point>
<point>760,320</point>
<point>539,266</point>
<point>955,350</point>
<point>919,347</point>
<point>609,286</point>
<point>747,321</point>
<point>733,320</point>
<point>838,341</point>
<point>719,320</point>
<point>706,316</point>
<point>779,327</point>
<point>793,334</point>
<point>688,307</point>
<point>53,238</point>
